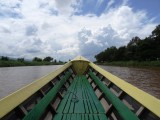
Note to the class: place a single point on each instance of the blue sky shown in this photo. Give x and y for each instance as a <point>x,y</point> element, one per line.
<point>150,6</point>
<point>65,29</point>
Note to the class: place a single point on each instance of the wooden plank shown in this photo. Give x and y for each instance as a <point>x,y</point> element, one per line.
<point>95,116</point>
<point>69,107</point>
<point>121,108</point>
<point>58,117</point>
<point>94,98</point>
<point>79,117</point>
<point>79,106</point>
<point>88,102</point>
<point>102,117</point>
<point>85,108</point>
<point>91,117</point>
<point>64,116</point>
<point>63,102</point>
<point>84,99</point>
<point>40,108</point>
<point>90,98</point>
<point>86,117</point>
<point>147,100</point>
<point>82,116</point>
<point>71,102</point>
<point>68,116</point>
<point>73,117</point>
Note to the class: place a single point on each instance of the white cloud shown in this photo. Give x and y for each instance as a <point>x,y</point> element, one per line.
<point>51,28</point>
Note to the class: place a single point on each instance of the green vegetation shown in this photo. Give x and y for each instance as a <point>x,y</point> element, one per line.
<point>132,63</point>
<point>138,52</point>
<point>8,62</point>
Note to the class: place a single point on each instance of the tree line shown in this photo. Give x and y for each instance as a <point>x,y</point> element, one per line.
<point>37,59</point>
<point>137,49</point>
<point>8,62</point>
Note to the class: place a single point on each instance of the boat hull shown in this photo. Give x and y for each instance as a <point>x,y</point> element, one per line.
<point>42,99</point>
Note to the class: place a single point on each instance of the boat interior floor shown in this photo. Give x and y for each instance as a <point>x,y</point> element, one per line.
<point>80,102</point>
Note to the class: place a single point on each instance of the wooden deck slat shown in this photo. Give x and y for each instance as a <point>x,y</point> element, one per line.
<point>64,117</point>
<point>41,106</point>
<point>73,94</point>
<point>79,116</point>
<point>84,101</point>
<point>82,117</point>
<point>68,116</point>
<point>95,117</point>
<point>94,98</point>
<point>63,102</point>
<point>66,103</point>
<point>58,117</point>
<point>69,107</point>
<point>102,117</point>
<point>93,108</point>
<point>73,117</point>
<point>88,107</point>
<point>79,106</point>
<point>86,117</point>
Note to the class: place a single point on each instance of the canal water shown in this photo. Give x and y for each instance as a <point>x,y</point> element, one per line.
<point>146,79</point>
<point>14,78</point>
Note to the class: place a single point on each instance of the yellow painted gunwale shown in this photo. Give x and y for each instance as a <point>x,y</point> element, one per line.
<point>10,102</point>
<point>13,100</point>
<point>147,100</point>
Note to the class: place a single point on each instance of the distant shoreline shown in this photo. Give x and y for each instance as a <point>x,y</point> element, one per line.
<point>132,63</point>
<point>14,63</point>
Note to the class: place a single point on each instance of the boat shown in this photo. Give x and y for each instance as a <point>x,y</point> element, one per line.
<point>80,90</point>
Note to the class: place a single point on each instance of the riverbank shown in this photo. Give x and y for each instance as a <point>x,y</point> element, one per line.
<point>132,63</point>
<point>13,63</point>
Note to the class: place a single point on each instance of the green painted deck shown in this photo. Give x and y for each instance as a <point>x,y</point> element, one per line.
<point>121,108</point>
<point>80,102</point>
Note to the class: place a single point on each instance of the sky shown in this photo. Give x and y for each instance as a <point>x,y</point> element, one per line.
<point>65,29</point>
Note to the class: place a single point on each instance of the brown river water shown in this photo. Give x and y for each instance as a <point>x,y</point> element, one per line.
<point>14,78</point>
<point>146,79</point>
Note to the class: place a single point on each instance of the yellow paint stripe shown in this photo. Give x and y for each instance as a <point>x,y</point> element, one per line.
<point>10,102</point>
<point>80,58</point>
<point>150,102</point>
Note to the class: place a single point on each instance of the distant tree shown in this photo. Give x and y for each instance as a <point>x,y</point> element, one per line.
<point>4,58</point>
<point>60,61</point>
<point>37,59</point>
<point>48,59</point>
<point>156,32</point>
<point>134,41</point>
<point>142,50</point>
<point>108,55</point>
<point>131,52</point>
<point>55,61</point>
<point>111,54</point>
<point>121,53</point>
<point>20,59</point>
<point>100,57</point>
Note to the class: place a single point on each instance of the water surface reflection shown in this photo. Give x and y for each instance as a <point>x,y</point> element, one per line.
<point>14,78</point>
<point>146,79</point>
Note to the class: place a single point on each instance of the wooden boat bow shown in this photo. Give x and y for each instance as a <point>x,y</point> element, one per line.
<point>97,95</point>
